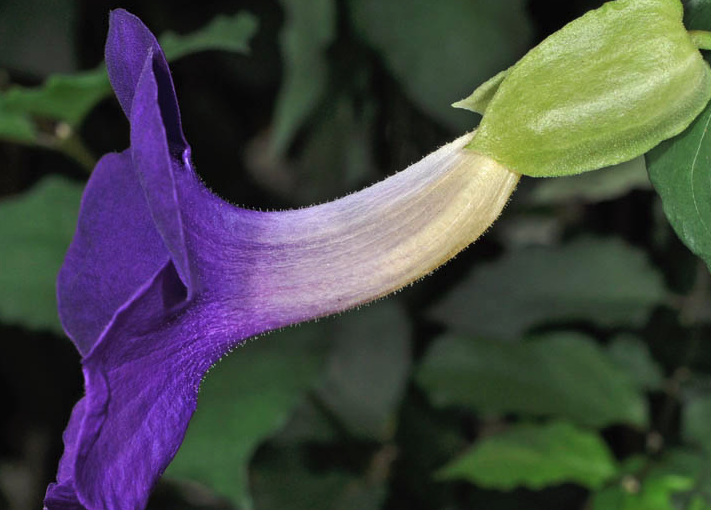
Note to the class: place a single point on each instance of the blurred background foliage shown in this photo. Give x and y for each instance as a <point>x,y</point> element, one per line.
<point>561,362</point>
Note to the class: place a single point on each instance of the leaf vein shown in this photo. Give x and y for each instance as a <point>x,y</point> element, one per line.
<point>691,175</point>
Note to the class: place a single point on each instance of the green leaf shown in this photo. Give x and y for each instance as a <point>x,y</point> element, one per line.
<point>368,369</point>
<point>680,171</point>
<point>655,494</point>
<point>336,156</point>
<point>283,485</point>
<point>632,355</point>
<point>245,399</point>
<point>604,89</point>
<point>696,422</point>
<point>368,493</point>
<point>16,127</point>
<point>535,456</point>
<point>680,479</point>
<point>565,375</point>
<point>693,471</point>
<point>36,230</point>
<point>603,281</point>
<point>226,33</point>
<point>697,14</point>
<point>605,184</point>
<point>307,423</point>
<point>680,168</point>
<point>309,30</point>
<point>69,98</point>
<point>62,97</point>
<point>283,480</point>
<point>439,54</point>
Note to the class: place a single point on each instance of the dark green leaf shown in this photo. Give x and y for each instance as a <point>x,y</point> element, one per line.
<point>62,97</point>
<point>605,184</point>
<point>227,33</point>
<point>284,481</point>
<point>309,29</point>
<point>535,456</point>
<point>69,98</point>
<point>526,230</point>
<point>307,423</point>
<point>655,494</point>
<point>336,156</point>
<point>245,399</point>
<point>561,374</point>
<point>368,369</point>
<point>36,230</point>
<point>604,281</point>
<point>679,480</point>
<point>680,171</point>
<point>696,422</point>
<point>680,168</point>
<point>364,494</point>
<point>632,356</point>
<point>697,14</point>
<point>441,52</point>
<point>16,127</point>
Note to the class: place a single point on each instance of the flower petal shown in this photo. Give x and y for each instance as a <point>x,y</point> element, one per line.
<point>141,389</point>
<point>127,46</point>
<point>103,268</point>
<point>61,495</point>
<point>155,167</point>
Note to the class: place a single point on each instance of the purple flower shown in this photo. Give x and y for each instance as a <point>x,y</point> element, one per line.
<point>163,277</point>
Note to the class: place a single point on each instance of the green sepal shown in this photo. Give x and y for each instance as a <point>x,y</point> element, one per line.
<point>482,96</point>
<point>701,38</point>
<point>604,89</point>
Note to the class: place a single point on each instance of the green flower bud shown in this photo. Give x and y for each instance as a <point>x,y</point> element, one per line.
<point>604,89</point>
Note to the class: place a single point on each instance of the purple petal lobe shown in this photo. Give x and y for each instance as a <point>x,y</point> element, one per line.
<point>103,267</point>
<point>127,46</point>
<point>65,473</point>
<point>141,383</point>
<point>155,167</point>
<point>61,496</point>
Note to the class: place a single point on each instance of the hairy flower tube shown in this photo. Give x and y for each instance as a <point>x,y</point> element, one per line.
<point>163,278</point>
